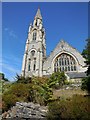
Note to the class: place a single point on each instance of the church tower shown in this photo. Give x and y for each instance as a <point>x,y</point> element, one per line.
<point>35,50</point>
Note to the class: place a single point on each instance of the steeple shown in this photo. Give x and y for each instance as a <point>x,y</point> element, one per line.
<point>38,14</point>
<point>37,23</point>
<point>35,52</point>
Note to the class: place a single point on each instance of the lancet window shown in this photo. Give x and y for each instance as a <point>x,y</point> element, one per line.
<point>34,35</point>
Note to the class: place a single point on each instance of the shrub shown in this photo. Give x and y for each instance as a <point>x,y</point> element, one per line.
<point>22,79</point>
<point>75,108</point>
<point>17,92</point>
<point>56,109</point>
<point>5,86</point>
<point>36,91</point>
<point>8,101</point>
<point>80,107</point>
<point>86,84</point>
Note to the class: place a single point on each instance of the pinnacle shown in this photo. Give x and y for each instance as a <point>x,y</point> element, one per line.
<point>38,14</point>
<point>62,40</point>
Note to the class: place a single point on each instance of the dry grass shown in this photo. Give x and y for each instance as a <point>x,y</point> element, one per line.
<point>0,101</point>
<point>62,93</point>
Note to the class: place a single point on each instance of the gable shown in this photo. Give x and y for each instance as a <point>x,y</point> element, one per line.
<point>64,47</point>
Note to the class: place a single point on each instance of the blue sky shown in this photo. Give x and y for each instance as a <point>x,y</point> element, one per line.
<point>0,36</point>
<point>68,21</point>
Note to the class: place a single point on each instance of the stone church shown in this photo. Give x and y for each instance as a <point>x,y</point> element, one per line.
<point>63,58</point>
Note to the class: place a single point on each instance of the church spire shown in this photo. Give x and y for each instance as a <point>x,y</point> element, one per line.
<point>38,14</point>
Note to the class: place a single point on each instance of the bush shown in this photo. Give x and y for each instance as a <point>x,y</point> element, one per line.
<point>57,80</point>
<point>86,84</point>
<point>22,79</point>
<point>9,100</point>
<point>36,91</point>
<point>5,86</point>
<point>17,92</point>
<point>75,108</point>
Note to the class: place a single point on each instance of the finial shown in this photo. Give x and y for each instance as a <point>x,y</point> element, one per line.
<point>30,27</point>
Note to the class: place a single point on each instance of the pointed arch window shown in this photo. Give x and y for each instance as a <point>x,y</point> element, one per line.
<point>32,52</point>
<point>65,62</point>
<point>34,35</point>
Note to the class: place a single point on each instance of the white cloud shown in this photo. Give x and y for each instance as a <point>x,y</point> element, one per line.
<point>9,71</point>
<point>10,68</point>
<point>6,29</point>
<point>10,32</point>
<point>10,65</point>
<point>11,59</point>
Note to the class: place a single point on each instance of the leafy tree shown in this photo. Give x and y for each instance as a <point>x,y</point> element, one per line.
<point>42,91</point>
<point>86,84</point>
<point>2,76</point>
<point>86,54</point>
<point>57,79</point>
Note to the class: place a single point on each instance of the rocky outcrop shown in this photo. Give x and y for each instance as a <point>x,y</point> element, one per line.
<point>24,110</point>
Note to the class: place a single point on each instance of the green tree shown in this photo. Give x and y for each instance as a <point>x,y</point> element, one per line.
<point>86,81</point>
<point>57,79</point>
<point>86,84</point>
<point>86,54</point>
<point>42,91</point>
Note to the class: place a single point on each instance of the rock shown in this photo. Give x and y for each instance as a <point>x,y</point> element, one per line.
<point>4,114</point>
<point>25,110</point>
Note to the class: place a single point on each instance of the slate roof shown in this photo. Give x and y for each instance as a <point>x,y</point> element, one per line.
<point>74,75</point>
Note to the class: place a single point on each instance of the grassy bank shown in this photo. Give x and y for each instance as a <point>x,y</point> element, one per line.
<point>62,93</point>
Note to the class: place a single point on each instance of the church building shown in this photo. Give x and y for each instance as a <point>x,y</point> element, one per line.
<point>63,58</point>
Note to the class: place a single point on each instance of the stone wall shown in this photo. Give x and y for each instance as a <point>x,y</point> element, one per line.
<point>23,110</point>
